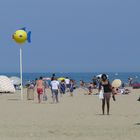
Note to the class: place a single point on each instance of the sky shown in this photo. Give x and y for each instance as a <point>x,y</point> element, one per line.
<point>71,35</point>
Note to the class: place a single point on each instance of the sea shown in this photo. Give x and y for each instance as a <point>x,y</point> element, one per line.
<point>77,76</point>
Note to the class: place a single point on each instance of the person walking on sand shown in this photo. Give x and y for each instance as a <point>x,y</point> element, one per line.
<point>55,88</point>
<point>62,87</point>
<point>71,87</point>
<point>107,93</point>
<point>40,88</point>
<point>67,81</point>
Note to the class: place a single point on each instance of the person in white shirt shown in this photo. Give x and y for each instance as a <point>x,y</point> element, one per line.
<point>55,88</point>
<point>67,81</point>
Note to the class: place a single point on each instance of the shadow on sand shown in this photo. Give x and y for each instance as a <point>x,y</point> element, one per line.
<point>14,99</point>
<point>103,115</point>
<point>137,123</point>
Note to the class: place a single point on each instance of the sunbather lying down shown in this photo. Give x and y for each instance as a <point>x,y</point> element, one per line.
<point>124,91</point>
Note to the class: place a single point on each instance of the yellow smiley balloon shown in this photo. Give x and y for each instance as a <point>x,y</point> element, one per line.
<point>20,36</point>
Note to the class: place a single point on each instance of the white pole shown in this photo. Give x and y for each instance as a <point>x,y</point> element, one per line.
<point>21,73</point>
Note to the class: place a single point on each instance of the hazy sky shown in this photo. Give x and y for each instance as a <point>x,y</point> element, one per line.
<point>71,35</point>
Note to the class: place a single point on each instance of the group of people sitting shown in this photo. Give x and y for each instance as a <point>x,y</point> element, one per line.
<point>96,83</point>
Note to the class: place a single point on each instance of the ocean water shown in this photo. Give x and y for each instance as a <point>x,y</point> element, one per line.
<point>87,77</point>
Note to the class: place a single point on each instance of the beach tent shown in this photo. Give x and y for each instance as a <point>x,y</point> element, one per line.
<point>15,80</point>
<point>6,85</point>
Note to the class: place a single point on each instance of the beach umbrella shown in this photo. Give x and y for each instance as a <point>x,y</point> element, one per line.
<point>100,75</point>
<point>116,83</point>
<point>20,37</point>
<point>15,80</point>
<point>61,78</point>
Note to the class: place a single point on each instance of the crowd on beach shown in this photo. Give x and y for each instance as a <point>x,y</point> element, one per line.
<point>67,86</point>
<point>95,83</point>
<point>62,86</point>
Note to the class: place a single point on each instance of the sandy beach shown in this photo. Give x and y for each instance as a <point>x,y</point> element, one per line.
<point>74,118</point>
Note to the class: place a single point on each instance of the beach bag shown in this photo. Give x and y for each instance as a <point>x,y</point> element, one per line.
<point>45,96</point>
<point>101,94</point>
<point>30,94</point>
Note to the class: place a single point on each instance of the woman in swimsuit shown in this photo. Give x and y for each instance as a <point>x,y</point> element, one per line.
<point>107,93</point>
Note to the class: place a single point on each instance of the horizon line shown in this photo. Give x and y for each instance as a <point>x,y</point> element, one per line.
<point>80,72</point>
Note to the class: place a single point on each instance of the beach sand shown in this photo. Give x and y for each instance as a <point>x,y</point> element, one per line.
<point>74,118</point>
